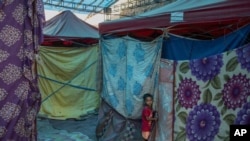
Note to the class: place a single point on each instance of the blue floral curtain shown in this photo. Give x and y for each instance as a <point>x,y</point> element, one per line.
<point>130,69</point>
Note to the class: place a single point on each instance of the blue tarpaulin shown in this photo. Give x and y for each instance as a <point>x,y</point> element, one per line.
<point>181,48</point>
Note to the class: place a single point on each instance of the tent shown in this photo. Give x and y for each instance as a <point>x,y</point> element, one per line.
<point>183,16</point>
<point>67,68</point>
<point>68,26</point>
<point>204,52</point>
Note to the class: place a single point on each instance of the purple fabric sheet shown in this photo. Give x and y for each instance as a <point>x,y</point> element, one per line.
<point>20,35</point>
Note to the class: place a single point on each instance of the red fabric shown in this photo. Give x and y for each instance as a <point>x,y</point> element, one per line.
<point>68,42</point>
<point>146,124</point>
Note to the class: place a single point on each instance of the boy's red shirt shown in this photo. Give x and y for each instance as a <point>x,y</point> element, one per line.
<point>146,124</point>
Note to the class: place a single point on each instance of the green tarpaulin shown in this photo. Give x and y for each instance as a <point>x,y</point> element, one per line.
<point>68,81</point>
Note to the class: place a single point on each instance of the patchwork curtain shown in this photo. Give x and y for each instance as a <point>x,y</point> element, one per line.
<point>112,126</point>
<point>130,69</point>
<point>211,94</point>
<point>68,81</point>
<point>20,34</point>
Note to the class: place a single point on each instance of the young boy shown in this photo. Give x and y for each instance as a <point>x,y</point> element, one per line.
<point>147,116</point>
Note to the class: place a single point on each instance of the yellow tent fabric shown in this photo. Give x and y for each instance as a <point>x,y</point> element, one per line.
<point>67,81</point>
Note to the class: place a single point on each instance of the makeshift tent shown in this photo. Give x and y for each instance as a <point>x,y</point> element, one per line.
<point>201,46</point>
<point>68,74</point>
<point>67,27</point>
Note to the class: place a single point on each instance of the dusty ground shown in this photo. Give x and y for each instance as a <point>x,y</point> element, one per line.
<point>67,130</point>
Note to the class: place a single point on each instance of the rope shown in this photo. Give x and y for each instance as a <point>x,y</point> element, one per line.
<point>74,86</point>
<point>68,83</point>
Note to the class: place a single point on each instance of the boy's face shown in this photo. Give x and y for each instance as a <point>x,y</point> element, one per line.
<point>149,101</point>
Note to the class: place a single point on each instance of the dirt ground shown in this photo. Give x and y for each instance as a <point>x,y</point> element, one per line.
<point>67,130</point>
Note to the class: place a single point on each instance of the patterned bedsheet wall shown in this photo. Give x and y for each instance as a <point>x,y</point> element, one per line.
<point>211,94</point>
<point>130,69</point>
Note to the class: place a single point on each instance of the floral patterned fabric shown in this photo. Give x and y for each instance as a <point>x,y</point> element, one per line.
<point>20,34</point>
<point>130,69</point>
<point>210,94</point>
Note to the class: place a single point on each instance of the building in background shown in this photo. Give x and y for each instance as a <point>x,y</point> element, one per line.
<point>130,8</point>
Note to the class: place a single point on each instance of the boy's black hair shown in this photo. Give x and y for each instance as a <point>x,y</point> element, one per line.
<point>145,96</point>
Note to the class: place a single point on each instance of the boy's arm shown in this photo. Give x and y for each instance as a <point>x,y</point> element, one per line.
<point>155,117</point>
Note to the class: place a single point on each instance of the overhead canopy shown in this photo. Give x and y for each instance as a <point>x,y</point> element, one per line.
<point>184,15</point>
<point>66,24</point>
<point>80,6</point>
